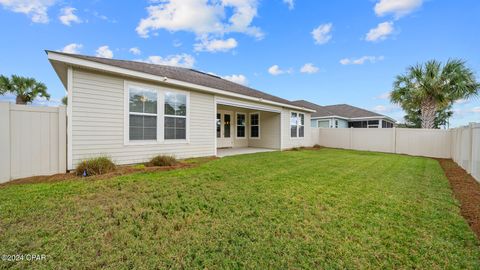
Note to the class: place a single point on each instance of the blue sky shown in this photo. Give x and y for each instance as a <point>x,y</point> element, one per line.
<point>327,52</point>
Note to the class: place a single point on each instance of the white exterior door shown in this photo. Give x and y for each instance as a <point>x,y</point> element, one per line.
<point>224,129</point>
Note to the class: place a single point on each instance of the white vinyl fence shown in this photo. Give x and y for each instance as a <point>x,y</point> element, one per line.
<point>32,141</point>
<point>460,144</point>
<point>416,142</point>
<point>466,148</point>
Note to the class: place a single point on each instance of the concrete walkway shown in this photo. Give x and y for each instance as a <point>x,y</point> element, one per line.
<point>224,152</point>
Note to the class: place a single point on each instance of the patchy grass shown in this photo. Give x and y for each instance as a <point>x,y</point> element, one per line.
<point>296,209</point>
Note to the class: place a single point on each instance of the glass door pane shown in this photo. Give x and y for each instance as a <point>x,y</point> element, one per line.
<point>226,125</point>
<point>219,125</point>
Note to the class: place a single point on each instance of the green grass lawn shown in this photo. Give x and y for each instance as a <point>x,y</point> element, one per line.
<point>297,209</point>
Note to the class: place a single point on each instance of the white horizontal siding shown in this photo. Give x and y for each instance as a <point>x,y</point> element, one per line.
<point>287,141</point>
<point>98,123</point>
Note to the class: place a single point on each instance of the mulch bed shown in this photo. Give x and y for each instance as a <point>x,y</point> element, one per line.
<point>120,170</point>
<point>465,189</point>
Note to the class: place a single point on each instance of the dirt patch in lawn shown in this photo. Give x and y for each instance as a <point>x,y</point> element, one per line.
<point>466,190</point>
<point>120,170</point>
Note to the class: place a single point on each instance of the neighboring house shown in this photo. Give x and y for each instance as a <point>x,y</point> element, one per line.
<point>345,116</point>
<point>132,111</point>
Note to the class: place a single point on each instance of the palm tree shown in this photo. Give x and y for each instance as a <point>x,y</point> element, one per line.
<point>26,89</point>
<point>432,86</point>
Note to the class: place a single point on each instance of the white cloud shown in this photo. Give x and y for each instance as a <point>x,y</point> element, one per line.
<point>386,109</point>
<point>476,109</point>
<point>380,108</point>
<point>35,9</point>
<point>321,34</point>
<point>215,45</point>
<point>178,60</point>
<point>240,79</point>
<point>67,16</point>
<point>385,95</point>
<point>462,101</point>
<point>309,68</point>
<point>135,51</point>
<point>380,32</point>
<point>397,7</point>
<point>275,70</point>
<point>290,3</point>
<point>201,17</point>
<point>104,52</point>
<point>360,61</point>
<point>72,48</point>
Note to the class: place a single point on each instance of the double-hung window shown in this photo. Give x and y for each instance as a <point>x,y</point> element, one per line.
<point>297,125</point>
<point>241,123</point>
<point>142,114</point>
<point>293,124</point>
<point>301,125</point>
<point>254,125</point>
<point>175,116</point>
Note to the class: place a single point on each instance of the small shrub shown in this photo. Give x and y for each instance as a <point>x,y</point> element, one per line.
<point>162,160</point>
<point>95,166</point>
<point>139,166</point>
<point>317,146</point>
<point>295,149</point>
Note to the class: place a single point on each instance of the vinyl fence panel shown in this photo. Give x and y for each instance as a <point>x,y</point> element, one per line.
<point>476,151</point>
<point>32,141</point>
<point>373,139</point>
<point>423,142</point>
<point>334,137</point>
<point>466,148</point>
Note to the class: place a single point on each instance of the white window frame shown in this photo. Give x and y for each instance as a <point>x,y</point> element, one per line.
<point>299,123</point>
<point>187,116</point>
<point>328,123</point>
<point>250,126</point>
<point>290,125</point>
<point>245,126</point>
<point>147,87</point>
<point>160,115</point>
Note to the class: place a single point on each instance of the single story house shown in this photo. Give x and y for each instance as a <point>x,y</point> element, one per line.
<point>132,111</point>
<point>345,116</point>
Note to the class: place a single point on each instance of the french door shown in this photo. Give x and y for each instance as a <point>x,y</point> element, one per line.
<point>224,129</point>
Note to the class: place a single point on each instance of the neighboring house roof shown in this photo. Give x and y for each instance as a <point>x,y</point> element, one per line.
<point>183,74</point>
<point>342,110</point>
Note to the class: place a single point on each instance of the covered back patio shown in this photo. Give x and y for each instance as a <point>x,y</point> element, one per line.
<point>243,128</point>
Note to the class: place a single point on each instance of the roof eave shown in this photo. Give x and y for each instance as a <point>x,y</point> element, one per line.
<point>74,61</point>
<point>355,118</point>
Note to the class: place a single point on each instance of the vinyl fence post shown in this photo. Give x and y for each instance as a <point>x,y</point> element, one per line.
<point>62,140</point>
<point>5,142</point>
<point>351,138</point>
<point>394,140</point>
<point>470,166</point>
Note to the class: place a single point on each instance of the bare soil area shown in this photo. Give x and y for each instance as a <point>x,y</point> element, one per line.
<point>465,189</point>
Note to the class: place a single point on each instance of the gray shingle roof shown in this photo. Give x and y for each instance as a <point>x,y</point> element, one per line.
<point>185,75</point>
<point>321,110</point>
<point>343,110</point>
